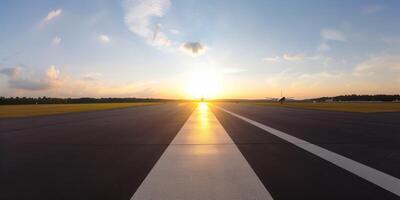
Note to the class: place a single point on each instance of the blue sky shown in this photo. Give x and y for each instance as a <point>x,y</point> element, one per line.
<point>160,48</point>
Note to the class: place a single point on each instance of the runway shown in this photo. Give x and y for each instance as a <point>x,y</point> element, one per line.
<point>187,151</point>
<point>97,155</point>
<point>292,173</point>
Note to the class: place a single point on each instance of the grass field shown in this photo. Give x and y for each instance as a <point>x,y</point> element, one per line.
<point>349,107</point>
<point>10,111</point>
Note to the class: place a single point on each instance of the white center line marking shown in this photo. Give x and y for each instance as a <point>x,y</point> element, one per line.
<point>202,162</point>
<point>372,175</point>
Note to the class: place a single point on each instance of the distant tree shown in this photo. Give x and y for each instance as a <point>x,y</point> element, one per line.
<point>48,100</point>
<point>354,97</point>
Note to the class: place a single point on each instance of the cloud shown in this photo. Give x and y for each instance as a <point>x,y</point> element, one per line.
<point>193,48</point>
<point>327,35</point>
<point>17,78</point>
<point>78,88</point>
<point>302,57</point>
<point>332,34</point>
<point>324,47</point>
<point>52,15</point>
<point>159,38</point>
<point>378,65</point>
<point>230,70</point>
<point>371,9</point>
<point>272,59</point>
<point>175,31</point>
<point>104,39</point>
<point>92,76</point>
<point>392,40</point>
<point>138,16</point>
<point>25,81</point>
<point>297,58</point>
<point>303,85</point>
<point>56,40</point>
<point>11,72</point>
<point>52,73</point>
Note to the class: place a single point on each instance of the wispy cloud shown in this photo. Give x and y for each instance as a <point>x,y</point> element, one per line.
<point>372,8</point>
<point>296,58</point>
<point>310,83</point>
<point>51,16</point>
<point>175,31</point>
<point>392,40</point>
<point>328,35</point>
<point>104,38</point>
<point>139,16</point>
<point>193,48</point>
<point>92,76</point>
<point>56,40</point>
<point>332,34</point>
<point>272,59</point>
<point>378,65</point>
<point>324,46</point>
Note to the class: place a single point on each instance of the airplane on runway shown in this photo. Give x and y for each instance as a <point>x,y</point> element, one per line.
<point>281,99</point>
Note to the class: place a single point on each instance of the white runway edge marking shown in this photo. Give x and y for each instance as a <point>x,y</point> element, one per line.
<point>372,175</point>
<point>202,162</point>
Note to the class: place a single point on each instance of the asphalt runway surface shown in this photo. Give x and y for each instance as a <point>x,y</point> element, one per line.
<point>186,151</point>
<point>98,155</point>
<point>290,173</point>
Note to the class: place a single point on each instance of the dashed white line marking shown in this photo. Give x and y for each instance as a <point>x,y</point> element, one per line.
<point>372,175</point>
<point>202,162</point>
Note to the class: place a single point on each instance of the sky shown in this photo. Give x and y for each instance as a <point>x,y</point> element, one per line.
<point>190,49</point>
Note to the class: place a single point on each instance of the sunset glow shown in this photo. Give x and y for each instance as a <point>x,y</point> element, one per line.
<point>194,49</point>
<point>202,84</point>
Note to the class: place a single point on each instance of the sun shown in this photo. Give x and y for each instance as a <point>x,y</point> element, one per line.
<point>202,84</point>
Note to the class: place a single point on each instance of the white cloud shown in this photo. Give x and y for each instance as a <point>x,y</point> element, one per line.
<point>20,78</point>
<point>92,76</point>
<point>139,16</point>
<point>332,34</point>
<point>310,83</point>
<point>52,73</point>
<point>25,81</point>
<point>378,65</point>
<point>104,39</point>
<point>371,9</point>
<point>51,15</point>
<point>297,58</point>
<point>327,35</point>
<point>193,48</point>
<point>272,59</point>
<point>77,88</point>
<point>324,47</point>
<point>56,40</point>
<point>377,74</point>
<point>175,31</point>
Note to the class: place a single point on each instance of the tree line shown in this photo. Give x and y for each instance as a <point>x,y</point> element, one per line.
<point>50,100</point>
<point>354,97</point>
